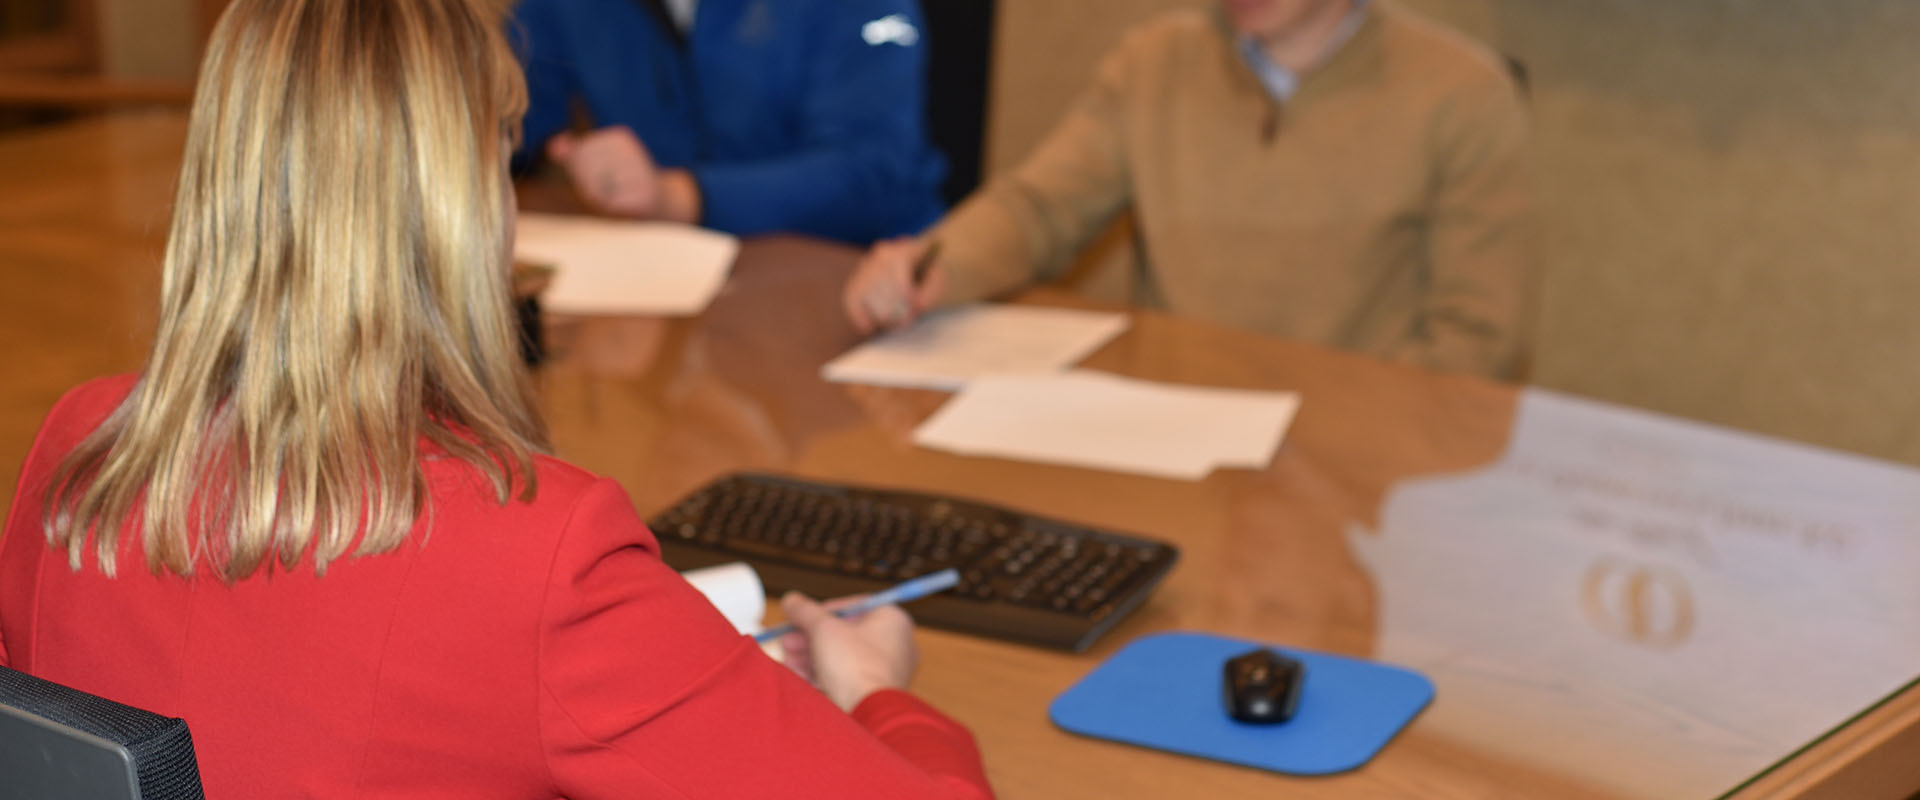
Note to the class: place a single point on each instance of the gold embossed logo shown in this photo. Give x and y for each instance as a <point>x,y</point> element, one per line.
<point>1644,604</point>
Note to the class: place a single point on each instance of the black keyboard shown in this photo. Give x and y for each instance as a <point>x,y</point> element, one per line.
<point>1022,578</point>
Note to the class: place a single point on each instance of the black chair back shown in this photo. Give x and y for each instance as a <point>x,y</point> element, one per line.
<point>59,743</point>
<point>959,61</point>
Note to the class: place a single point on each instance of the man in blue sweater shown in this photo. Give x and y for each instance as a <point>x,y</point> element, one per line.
<point>746,116</point>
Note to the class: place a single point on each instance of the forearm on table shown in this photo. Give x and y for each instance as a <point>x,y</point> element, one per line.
<point>839,193</point>
<point>1009,236</point>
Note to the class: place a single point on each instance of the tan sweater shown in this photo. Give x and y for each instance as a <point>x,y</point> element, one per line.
<point>1385,209</point>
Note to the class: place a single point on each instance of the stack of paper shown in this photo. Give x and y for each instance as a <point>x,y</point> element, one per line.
<point>948,348</point>
<point>619,267</point>
<point>1101,421</point>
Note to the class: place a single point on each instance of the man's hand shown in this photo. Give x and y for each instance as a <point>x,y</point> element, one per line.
<point>614,174</point>
<point>882,294</point>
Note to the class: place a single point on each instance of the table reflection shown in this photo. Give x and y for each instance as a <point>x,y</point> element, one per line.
<point>668,404</point>
<point>1622,586</point>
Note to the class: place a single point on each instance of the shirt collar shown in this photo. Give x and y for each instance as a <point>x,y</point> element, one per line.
<point>1280,82</point>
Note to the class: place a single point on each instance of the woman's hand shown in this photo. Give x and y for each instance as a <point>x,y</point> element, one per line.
<point>849,658</point>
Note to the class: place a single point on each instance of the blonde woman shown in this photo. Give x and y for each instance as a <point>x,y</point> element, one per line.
<point>320,525</point>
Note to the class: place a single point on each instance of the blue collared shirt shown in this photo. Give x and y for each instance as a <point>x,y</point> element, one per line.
<point>1279,81</point>
<point>839,150</point>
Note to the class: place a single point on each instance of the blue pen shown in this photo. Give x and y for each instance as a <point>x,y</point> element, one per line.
<point>909,591</point>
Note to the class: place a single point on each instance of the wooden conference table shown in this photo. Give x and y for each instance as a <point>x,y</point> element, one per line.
<point>1326,549</point>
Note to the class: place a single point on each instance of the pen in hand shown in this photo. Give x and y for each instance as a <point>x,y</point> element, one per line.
<point>903,304</point>
<point>925,264</point>
<point>930,583</point>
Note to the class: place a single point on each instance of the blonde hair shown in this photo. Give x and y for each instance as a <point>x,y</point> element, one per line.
<point>335,302</point>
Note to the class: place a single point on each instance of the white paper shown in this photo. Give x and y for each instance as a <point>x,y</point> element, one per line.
<point>735,589</point>
<point>1100,421</point>
<point>621,267</point>
<point>947,348</point>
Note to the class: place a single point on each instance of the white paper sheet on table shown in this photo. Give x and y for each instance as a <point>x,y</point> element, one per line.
<point>947,348</point>
<point>619,267</point>
<point>735,589</point>
<point>1102,421</point>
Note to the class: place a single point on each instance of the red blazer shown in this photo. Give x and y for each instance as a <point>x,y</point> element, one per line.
<point>540,650</point>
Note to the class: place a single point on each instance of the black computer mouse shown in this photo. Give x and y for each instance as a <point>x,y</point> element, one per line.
<point>1262,686</point>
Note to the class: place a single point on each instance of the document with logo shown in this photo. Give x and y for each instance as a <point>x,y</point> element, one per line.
<point>604,266</point>
<point>948,348</point>
<point>1100,421</point>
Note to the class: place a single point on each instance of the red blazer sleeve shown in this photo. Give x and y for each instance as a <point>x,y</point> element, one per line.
<point>647,691</point>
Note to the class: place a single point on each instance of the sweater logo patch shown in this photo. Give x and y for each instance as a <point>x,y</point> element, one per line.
<point>892,28</point>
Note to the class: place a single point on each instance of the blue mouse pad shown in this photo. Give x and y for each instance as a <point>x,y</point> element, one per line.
<point>1163,691</point>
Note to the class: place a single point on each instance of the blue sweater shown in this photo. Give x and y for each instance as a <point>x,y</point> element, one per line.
<point>805,116</point>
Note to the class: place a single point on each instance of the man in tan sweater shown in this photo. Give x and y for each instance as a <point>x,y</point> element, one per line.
<point>1336,171</point>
